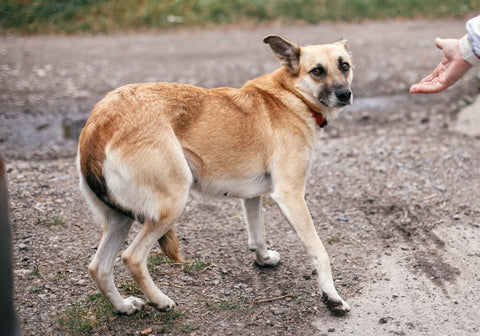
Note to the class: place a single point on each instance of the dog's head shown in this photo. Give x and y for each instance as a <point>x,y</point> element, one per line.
<point>321,74</point>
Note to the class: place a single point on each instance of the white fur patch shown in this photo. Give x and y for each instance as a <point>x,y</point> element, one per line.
<point>127,190</point>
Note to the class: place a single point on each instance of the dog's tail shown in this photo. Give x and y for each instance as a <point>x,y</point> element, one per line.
<point>169,245</point>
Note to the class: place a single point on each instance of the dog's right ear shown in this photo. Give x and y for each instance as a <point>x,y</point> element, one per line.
<point>287,52</point>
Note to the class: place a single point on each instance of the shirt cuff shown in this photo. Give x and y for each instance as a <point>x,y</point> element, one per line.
<point>467,52</point>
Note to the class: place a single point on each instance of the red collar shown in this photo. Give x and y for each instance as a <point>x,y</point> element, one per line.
<point>321,121</point>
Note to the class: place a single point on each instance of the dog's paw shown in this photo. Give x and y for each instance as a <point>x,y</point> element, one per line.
<point>337,307</point>
<point>271,259</point>
<point>130,306</point>
<point>164,303</point>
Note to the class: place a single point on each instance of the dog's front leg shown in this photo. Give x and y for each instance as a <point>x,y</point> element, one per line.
<point>295,210</point>
<point>256,233</point>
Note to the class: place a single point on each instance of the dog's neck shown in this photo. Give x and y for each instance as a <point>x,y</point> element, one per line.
<point>314,110</point>
<point>282,76</point>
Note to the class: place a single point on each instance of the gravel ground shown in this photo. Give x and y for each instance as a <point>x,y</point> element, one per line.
<point>393,191</point>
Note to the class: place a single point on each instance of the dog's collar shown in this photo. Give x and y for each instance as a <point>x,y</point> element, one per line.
<point>321,121</point>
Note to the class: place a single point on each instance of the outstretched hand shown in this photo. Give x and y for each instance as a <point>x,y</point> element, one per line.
<point>451,68</point>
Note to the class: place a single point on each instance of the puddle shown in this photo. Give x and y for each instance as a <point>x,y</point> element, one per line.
<point>33,133</point>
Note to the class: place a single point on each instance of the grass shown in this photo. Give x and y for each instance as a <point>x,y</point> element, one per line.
<point>333,240</point>
<point>50,221</point>
<point>99,16</point>
<point>76,319</point>
<point>193,266</point>
<point>94,313</point>
<point>226,305</point>
<point>196,265</point>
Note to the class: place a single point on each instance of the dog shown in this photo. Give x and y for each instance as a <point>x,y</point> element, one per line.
<point>146,146</point>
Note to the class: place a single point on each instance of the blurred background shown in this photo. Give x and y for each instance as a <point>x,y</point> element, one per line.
<point>71,16</point>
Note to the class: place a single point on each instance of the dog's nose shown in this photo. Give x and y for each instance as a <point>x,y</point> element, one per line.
<point>343,95</point>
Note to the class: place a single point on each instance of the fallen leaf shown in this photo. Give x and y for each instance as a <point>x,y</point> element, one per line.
<point>146,331</point>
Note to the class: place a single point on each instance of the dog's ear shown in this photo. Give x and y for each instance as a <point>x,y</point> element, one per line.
<point>344,43</point>
<point>287,52</point>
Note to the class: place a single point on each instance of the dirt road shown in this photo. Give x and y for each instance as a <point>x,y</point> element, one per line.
<point>394,191</point>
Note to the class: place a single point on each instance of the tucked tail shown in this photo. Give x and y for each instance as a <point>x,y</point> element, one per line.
<point>169,245</point>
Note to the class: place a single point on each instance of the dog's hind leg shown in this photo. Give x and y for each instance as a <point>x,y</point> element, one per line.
<point>136,255</point>
<point>116,228</point>
<point>256,233</point>
<point>167,178</point>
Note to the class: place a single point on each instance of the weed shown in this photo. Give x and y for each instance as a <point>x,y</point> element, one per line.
<point>36,272</point>
<point>187,328</point>
<point>129,287</point>
<point>333,240</point>
<point>76,319</point>
<point>158,259</point>
<point>227,305</point>
<point>171,316</point>
<point>37,289</point>
<point>84,316</point>
<point>58,277</point>
<point>54,221</point>
<point>196,265</point>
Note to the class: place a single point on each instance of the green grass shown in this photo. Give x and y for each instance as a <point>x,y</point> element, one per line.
<point>93,314</point>
<point>76,319</point>
<point>225,305</point>
<point>196,265</point>
<point>50,221</point>
<point>71,16</point>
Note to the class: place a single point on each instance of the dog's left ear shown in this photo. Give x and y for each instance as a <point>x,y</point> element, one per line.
<point>344,43</point>
<point>287,52</point>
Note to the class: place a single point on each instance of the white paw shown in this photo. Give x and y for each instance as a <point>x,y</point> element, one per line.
<point>271,258</point>
<point>130,305</point>
<point>337,306</point>
<point>164,303</point>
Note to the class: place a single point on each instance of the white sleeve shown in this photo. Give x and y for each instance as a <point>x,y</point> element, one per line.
<point>473,29</point>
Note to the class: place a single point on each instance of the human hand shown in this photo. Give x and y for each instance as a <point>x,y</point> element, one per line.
<point>451,68</point>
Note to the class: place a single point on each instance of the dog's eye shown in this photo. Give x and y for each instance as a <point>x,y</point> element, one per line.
<point>318,72</point>
<point>345,66</point>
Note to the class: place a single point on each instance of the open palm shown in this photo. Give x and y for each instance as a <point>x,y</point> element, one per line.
<point>451,68</point>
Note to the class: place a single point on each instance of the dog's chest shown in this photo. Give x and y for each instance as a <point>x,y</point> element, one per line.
<point>235,188</point>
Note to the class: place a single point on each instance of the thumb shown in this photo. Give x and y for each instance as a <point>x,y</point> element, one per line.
<point>439,43</point>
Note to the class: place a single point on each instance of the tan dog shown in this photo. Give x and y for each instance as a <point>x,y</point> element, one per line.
<point>146,145</point>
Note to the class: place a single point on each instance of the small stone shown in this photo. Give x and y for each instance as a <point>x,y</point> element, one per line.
<point>331,329</point>
<point>383,320</point>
